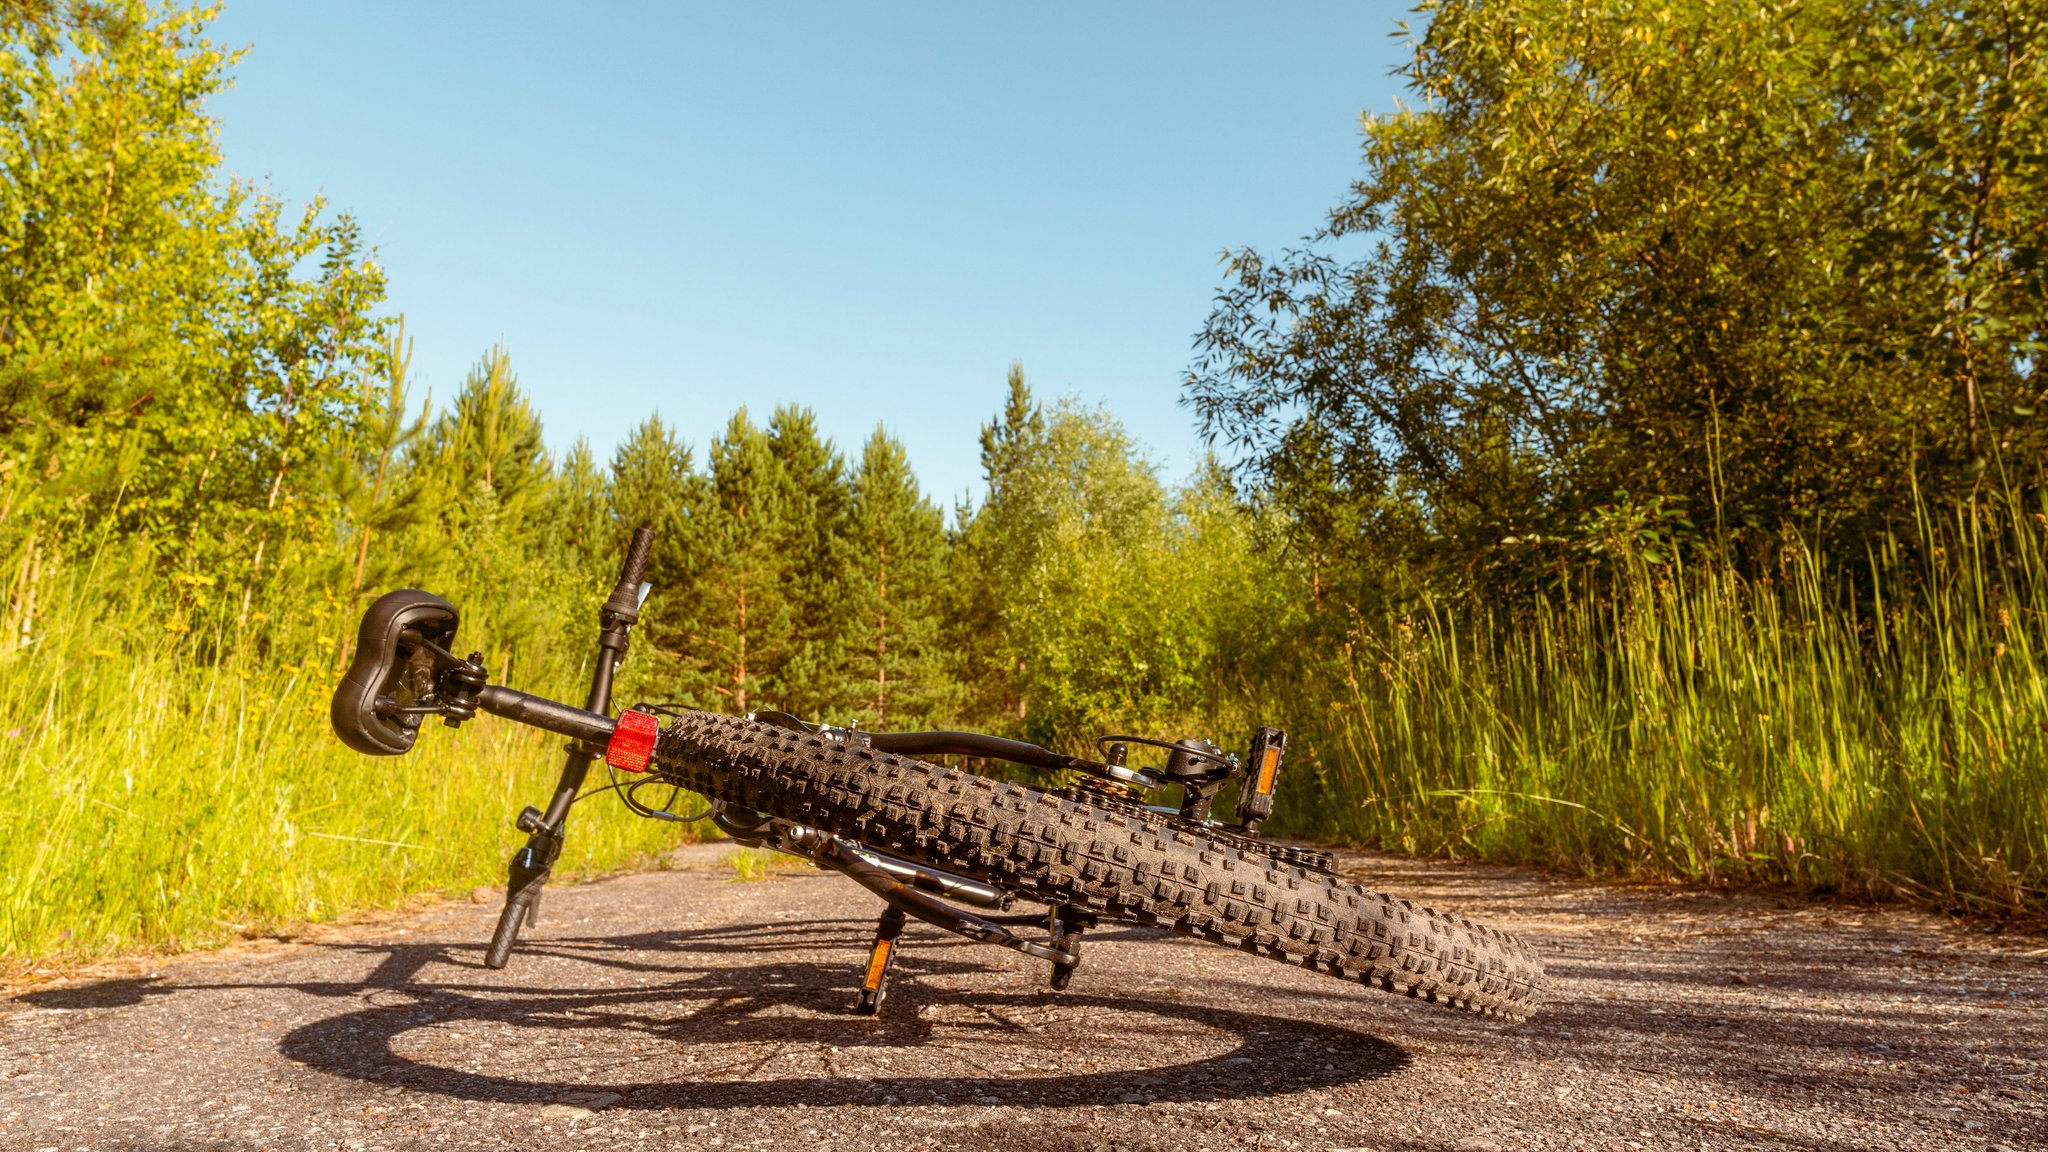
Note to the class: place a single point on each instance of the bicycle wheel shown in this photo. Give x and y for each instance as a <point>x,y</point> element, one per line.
<point>1125,865</point>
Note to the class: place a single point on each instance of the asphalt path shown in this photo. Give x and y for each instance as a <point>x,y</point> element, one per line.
<point>685,1008</point>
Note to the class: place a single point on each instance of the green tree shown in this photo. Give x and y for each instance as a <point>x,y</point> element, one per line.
<point>378,498</point>
<point>896,670</point>
<point>487,452</point>
<point>1086,514</point>
<point>992,543</point>
<point>1071,513</point>
<point>578,527</point>
<point>489,486</point>
<point>738,623</point>
<point>1699,270</point>
<point>814,518</point>
<point>654,482</point>
<point>166,364</point>
<point>1172,628</point>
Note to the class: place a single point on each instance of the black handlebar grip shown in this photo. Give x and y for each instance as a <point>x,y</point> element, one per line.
<point>637,552</point>
<point>625,600</point>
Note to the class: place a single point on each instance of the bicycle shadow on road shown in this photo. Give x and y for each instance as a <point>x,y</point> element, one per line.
<point>665,1020</point>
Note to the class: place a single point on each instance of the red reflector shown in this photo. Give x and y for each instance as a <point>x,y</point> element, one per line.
<point>632,743</point>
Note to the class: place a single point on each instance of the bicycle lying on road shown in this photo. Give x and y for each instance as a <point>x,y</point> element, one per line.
<point>925,838</point>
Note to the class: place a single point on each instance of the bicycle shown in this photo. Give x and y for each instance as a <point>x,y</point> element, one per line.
<point>925,838</point>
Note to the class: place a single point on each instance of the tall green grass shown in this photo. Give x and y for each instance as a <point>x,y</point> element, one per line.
<point>162,789</point>
<point>168,782</point>
<point>1888,741</point>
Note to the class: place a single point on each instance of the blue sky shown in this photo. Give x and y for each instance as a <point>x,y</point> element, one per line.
<point>868,209</point>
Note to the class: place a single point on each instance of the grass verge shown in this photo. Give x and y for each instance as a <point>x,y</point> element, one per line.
<point>153,797</point>
<point>1701,727</point>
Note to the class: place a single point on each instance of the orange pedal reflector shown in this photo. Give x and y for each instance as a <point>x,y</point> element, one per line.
<point>1255,798</point>
<point>878,965</point>
<point>632,744</point>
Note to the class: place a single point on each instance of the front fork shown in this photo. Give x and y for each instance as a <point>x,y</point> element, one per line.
<point>528,872</point>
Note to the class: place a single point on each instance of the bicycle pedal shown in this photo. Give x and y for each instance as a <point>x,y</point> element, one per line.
<point>874,984</point>
<point>1255,796</point>
<point>871,1000</point>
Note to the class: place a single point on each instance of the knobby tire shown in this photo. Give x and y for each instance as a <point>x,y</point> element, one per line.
<point>1059,851</point>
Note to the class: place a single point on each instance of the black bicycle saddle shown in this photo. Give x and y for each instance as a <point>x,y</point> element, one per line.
<point>391,662</point>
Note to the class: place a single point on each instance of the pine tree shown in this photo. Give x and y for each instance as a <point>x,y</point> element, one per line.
<point>737,622</point>
<point>993,547</point>
<point>654,482</point>
<point>578,521</point>
<point>896,668</point>
<point>376,494</point>
<point>1010,442</point>
<point>488,476</point>
<point>489,449</point>
<point>818,500</point>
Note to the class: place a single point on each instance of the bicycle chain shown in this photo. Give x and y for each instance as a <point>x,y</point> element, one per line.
<point>1113,798</point>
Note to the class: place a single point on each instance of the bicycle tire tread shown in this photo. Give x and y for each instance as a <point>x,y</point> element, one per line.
<point>1057,850</point>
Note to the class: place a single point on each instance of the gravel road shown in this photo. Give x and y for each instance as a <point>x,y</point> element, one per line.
<point>683,1008</point>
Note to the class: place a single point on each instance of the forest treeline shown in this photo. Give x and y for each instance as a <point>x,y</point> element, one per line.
<point>211,387</point>
<point>1639,470</point>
